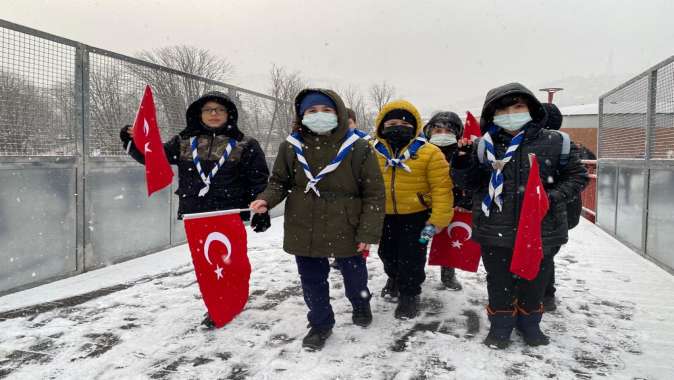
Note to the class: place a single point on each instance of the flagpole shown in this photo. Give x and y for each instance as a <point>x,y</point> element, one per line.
<point>215,213</point>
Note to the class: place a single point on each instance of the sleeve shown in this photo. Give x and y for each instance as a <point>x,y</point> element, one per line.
<point>571,180</point>
<point>467,172</point>
<point>255,169</point>
<point>437,173</point>
<point>373,197</point>
<point>281,178</point>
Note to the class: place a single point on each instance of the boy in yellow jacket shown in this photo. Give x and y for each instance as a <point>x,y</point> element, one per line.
<point>416,176</point>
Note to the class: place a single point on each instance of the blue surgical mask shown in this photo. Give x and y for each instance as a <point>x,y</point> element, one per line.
<point>512,121</point>
<point>443,139</point>
<point>320,123</point>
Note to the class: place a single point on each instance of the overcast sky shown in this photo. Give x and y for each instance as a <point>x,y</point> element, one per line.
<point>438,54</point>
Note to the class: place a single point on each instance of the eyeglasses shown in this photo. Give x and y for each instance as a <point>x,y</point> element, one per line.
<point>218,110</point>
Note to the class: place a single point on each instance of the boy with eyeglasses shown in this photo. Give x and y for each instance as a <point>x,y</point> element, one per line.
<point>212,146</point>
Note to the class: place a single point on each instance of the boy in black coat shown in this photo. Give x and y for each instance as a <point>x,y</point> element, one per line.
<point>512,123</point>
<point>212,134</point>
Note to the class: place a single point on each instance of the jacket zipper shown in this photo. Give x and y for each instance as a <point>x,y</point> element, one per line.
<point>210,147</point>
<point>393,191</point>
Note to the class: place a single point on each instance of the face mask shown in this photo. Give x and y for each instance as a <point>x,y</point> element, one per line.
<point>398,135</point>
<point>512,121</point>
<point>320,123</point>
<point>443,139</point>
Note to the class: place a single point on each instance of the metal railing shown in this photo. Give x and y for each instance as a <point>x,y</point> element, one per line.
<point>71,200</point>
<point>636,163</point>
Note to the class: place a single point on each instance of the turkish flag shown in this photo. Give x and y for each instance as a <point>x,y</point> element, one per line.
<point>218,244</point>
<point>146,138</point>
<point>528,251</point>
<point>471,129</point>
<point>453,247</point>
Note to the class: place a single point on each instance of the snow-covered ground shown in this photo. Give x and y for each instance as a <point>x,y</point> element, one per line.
<point>140,319</point>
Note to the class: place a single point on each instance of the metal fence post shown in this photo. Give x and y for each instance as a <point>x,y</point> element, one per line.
<point>81,77</point>
<point>650,130</point>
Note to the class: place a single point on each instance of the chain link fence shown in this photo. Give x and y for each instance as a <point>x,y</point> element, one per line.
<point>636,163</point>
<point>62,165</point>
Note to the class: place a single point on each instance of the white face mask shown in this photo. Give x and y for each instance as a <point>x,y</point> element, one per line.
<point>512,121</point>
<point>320,123</point>
<point>443,139</point>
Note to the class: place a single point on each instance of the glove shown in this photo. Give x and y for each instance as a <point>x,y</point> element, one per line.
<point>260,222</point>
<point>427,234</point>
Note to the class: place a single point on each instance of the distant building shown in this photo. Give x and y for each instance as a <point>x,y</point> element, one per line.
<point>581,123</point>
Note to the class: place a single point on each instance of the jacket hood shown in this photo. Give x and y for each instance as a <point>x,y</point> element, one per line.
<point>535,108</point>
<point>454,120</point>
<point>398,104</point>
<point>342,113</point>
<point>193,117</point>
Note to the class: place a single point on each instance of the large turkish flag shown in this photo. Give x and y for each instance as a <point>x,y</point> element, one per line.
<point>218,244</point>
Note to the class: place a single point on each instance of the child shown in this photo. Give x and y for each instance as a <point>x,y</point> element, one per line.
<point>218,167</point>
<point>412,170</point>
<point>334,207</point>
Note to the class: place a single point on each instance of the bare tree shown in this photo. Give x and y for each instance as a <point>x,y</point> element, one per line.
<point>176,92</point>
<point>380,94</point>
<point>283,86</point>
<point>355,100</point>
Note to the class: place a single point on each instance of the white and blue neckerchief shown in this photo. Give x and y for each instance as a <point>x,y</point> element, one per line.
<point>496,180</point>
<point>404,156</point>
<point>295,139</point>
<point>362,134</point>
<point>194,142</point>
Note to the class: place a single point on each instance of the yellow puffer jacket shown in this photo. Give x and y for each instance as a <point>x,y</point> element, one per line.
<point>429,176</point>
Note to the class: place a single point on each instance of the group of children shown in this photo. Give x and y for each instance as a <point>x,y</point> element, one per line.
<point>345,190</point>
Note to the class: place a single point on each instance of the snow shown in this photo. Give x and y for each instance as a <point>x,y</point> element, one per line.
<point>613,321</point>
<point>581,109</point>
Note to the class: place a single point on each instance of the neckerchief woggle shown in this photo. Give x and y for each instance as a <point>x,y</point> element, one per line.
<point>496,180</point>
<point>295,139</point>
<point>399,161</point>
<point>194,142</point>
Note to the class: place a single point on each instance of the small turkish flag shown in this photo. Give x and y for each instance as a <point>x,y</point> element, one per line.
<point>471,130</point>
<point>218,244</point>
<point>453,246</point>
<point>528,251</point>
<point>146,138</point>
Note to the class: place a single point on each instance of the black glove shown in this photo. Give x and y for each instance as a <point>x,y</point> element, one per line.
<point>124,135</point>
<point>260,222</point>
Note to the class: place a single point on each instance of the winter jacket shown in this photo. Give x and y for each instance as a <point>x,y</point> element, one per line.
<point>350,209</point>
<point>462,197</point>
<point>562,183</point>
<point>239,179</point>
<point>426,186</point>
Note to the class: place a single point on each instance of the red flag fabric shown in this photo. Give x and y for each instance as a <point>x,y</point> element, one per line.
<point>453,246</point>
<point>528,251</point>
<point>471,129</point>
<point>146,138</point>
<point>218,244</point>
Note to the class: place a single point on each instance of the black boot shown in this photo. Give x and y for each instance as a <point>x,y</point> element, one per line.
<point>407,307</point>
<point>528,324</point>
<point>208,322</point>
<point>390,292</point>
<point>448,278</point>
<point>315,339</point>
<point>502,324</point>
<point>362,314</point>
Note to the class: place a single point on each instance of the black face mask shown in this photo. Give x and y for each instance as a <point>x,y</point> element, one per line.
<point>398,135</point>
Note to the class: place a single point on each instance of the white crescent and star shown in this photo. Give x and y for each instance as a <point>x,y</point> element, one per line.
<point>217,236</point>
<point>463,225</point>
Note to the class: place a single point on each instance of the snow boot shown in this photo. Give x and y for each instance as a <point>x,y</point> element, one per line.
<point>362,314</point>
<point>315,339</point>
<point>501,326</point>
<point>448,278</point>
<point>407,307</point>
<point>208,322</point>
<point>528,324</point>
<point>549,303</point>
<point>390,292</point>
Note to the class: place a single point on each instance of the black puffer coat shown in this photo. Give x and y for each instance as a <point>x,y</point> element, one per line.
<point>239,180</point>
<point>562,183</point>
